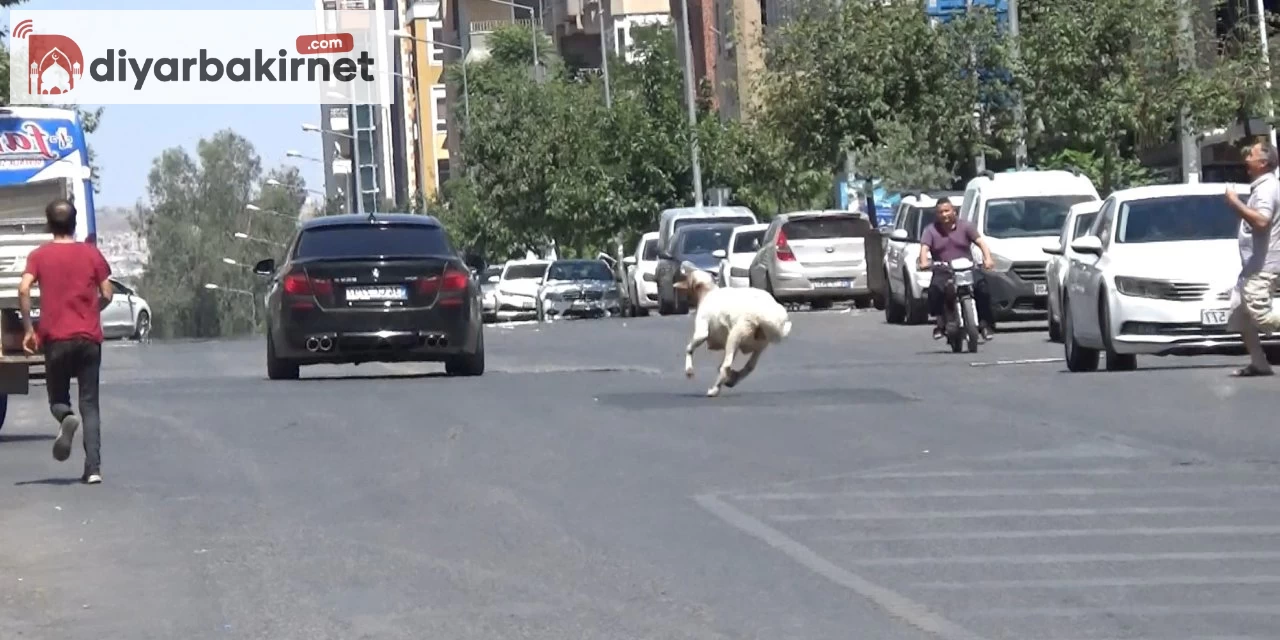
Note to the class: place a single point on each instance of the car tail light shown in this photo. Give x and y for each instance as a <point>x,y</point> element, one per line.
<point>298,284</point>
<point>449,285</point>
<point>783,249</point>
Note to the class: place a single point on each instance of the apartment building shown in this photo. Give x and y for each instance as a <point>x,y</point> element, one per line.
<point>727,38</point>
<point>577,26</point>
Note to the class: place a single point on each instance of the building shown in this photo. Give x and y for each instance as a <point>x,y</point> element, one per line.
<point>576,27</point>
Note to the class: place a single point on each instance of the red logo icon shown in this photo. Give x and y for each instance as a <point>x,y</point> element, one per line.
<point>56,62</point>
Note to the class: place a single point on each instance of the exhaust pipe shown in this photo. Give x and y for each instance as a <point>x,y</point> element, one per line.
<point>443,341</point>
<point>312,344</point>
<point>431,341</point>
<point>326,343</point>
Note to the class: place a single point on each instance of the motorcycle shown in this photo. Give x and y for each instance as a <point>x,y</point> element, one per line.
<point>960,308</point>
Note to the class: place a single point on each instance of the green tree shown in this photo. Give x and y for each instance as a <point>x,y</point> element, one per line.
<point>195,205</point>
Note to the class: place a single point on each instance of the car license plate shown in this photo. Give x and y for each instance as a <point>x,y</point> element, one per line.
<point>1214,317</point>
<point>1041,289</point>
<point>368,294</point>
<point>832,284</point>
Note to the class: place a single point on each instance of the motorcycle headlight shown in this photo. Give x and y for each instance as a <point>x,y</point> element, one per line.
<point>964,279</point>
<point>1141,287</point>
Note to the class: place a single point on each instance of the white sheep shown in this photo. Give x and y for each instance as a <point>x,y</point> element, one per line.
<point>732,320</point>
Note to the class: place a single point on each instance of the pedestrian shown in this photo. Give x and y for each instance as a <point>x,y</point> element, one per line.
<point>73,291</point>
<point>1259,238</point>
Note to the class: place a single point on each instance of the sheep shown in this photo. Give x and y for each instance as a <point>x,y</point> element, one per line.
<point>732,320</point>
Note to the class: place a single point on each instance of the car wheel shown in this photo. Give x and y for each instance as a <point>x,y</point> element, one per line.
<point>278,368</point>
<point>142,328</point>
<point>819,304</point>
<point>917,310</point>
<point>1273,355</point>
<point>1055,330</point>
<point>894,313</point>
<point>1078,358</point>
<point>1115,361</point>
<point>468,364</point>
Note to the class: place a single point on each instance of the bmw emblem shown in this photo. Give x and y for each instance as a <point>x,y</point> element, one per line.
<point>375,273</point>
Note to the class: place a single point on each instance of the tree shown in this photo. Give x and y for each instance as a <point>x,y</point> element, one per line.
<point>1098,72</point>
<point>195,206</point>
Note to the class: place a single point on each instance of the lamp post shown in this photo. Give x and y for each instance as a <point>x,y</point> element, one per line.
<point>689,104</point>
<point>359,195</point>
<point>256,209</point>
<point>604,55</point>
<point>244,236</point>
<point>466,94</point>
<point>298,154</point>
<point>234,263</point>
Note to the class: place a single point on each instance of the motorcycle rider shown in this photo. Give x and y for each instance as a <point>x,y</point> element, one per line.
<point>945,240</point>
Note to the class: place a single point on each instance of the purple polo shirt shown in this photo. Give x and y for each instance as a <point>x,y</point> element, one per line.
<point>945,246</point>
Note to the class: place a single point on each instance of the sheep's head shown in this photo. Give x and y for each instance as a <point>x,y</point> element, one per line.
<point>695,282</point>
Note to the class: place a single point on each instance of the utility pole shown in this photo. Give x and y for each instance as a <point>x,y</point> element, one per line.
<point>1186,125</point>
<point>689,103</point>
<point>1020,118</point>
<point>1266,60</point>
<point>604,57</point>
<point>980,157</point>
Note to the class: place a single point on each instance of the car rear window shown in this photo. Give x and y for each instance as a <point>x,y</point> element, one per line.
<point>822,228</point>
<point>365,240</point>
<point>747,241</point>
<point>650,250</point>
<point>526,271</point>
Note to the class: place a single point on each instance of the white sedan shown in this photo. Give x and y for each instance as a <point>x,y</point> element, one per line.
<point>128,315</point>
<point>1079,219</point>
<point>1153,276</point>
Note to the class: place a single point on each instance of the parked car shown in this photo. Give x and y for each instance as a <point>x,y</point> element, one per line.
<point>128,315</point>
<point>1153,275</point>
<point>641,282</point>
<point>703,246</point>
<point>516,295</point>
<point>489,291</point>
<point>579,288</point>
<point>744,243</point>
<point>1018,212</point>
<point>1079,219</point>
<point>815,257</point>
<point>668,268</point>
<point>365,288</point>
<point>906,298</point>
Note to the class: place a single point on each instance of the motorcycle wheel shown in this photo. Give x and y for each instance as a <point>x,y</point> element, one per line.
<point>970,310</point>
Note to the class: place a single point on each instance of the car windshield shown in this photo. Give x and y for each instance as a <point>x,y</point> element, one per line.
<point>1177,218</point>
<point>1083,222</point>
<point>650,251</point>
<point>735,220</point>
<point>367,241</point>
<point>748,241</point>
<point>704,240</point>
<point>579,270</point>
<point>531,271</point>
<point>1029,217</point>
<point>927,217</point>
<point>822,228</point>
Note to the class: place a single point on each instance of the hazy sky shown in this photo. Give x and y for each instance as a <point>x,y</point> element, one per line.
<point>130,137</point>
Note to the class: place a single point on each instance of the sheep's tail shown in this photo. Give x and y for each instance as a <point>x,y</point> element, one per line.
<point>776,331</point>
<point>786,329</point>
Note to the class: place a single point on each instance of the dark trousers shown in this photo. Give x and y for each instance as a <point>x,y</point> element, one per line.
<point>80,359</point>
<point>981,298</point>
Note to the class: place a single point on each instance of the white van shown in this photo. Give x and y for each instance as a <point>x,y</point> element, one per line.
<point>1017,212</point>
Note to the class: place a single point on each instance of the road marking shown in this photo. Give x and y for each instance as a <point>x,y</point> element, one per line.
<point>1091,583</point>
<point>1061,533</point>
<point>892,602</point>
<point>1140,610</point>
<point>895,475</point>
<point>1073,558</point>
<point>994,493</point>
<point>1001,513</point>
<point>999,363</point>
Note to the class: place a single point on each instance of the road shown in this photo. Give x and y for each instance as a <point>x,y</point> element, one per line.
<point>864,483</point>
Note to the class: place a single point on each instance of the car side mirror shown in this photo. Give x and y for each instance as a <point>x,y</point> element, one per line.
<point>265,267</point>
<point>899,234</point>
<point>495,279</point>
<point>720,253</point>
<point>1087,244</point>
<point>629,260</point>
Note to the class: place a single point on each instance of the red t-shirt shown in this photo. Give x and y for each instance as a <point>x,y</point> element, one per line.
<point>69,275</point>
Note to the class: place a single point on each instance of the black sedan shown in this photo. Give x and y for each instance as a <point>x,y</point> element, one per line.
<point>366,288</point>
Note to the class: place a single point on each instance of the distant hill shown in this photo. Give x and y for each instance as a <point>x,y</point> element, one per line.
<point>113,219</point>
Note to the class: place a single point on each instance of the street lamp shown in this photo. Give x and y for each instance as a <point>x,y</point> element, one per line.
<point>234,263</point>
<point>256,209</point>
<point>298,154</point>
<point>466,95</point>
<point>245,236</point>
<point>316,129</point>
<point>253,308</point>
<point>276,183</point>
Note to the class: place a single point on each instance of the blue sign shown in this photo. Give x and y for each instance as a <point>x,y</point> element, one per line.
<point>30,145</point>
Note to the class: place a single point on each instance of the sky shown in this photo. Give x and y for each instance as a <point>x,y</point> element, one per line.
<point>131,136</point>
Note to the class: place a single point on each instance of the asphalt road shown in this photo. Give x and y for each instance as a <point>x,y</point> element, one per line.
<point>864,483</point>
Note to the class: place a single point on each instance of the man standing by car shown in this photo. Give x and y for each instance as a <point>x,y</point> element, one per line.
<point>945,240</point>
<point>1259,237</point>
<point>73,290</point>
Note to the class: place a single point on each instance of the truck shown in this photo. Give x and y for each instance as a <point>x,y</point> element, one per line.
<point>43,156</point>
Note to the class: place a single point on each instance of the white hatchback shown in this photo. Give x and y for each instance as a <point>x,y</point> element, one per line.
<point>1153,275</point>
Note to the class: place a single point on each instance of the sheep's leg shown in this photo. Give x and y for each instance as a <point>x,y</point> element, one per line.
<point>736,335</point>
<point>739,375</point>
<point>699,337</point>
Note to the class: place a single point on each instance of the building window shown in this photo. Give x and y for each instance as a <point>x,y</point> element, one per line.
<point>620,47</point>
<point>442,171</point>
<point>440,108</point>
<point>437,35</point>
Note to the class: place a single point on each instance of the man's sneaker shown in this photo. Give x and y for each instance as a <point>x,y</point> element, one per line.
<point>92,478</point>
<point>937,333</point>
<point>987,333</point>
<point>66,433</point>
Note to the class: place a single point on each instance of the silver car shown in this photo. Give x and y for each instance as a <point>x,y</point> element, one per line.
<point>815,257</point>
<point>579,289</point>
